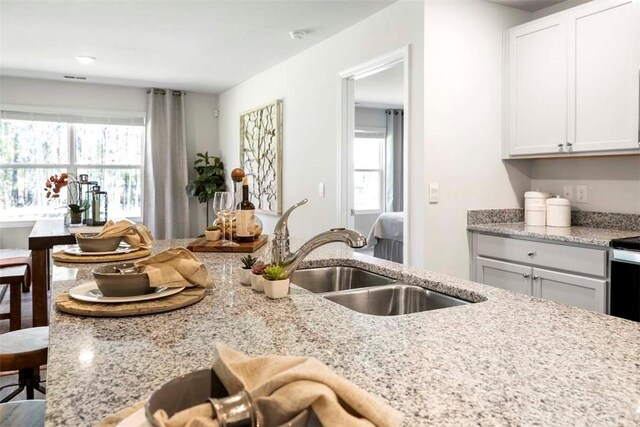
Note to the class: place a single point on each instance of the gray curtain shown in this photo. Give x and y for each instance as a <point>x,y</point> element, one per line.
<point>165,166</point>
<point>394,160</point>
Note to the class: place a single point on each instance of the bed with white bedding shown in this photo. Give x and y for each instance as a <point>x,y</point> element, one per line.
<point>386,236</point>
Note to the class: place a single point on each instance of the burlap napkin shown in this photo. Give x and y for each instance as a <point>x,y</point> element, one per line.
<point>136,235</point>
<point>175,268</point>
<point>284,386</point>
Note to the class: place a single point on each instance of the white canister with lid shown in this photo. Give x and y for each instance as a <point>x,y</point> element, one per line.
<point>535,215</point>
<point>558,212</point>
<point>533,201</point>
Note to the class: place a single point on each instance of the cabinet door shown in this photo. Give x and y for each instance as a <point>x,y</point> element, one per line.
<point>505,275</point>
<point>538,86</point>
<point>604,67</point>
<point>577,291</point>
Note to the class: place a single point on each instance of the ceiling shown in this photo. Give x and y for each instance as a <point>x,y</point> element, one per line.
<point>530,5</point>
<point>381,90</point>
<point>205,46</point>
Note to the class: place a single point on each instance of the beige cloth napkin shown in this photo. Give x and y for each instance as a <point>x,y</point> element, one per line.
<point>175,268</point>
<point>136,235</point>
<point>282,387</point>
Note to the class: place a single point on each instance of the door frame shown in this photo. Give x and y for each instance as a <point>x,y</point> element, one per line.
<point>346,128</point>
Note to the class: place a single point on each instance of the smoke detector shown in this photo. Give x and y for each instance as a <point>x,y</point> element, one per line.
<point>297,34</point>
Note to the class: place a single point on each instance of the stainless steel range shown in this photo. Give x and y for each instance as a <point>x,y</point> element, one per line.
<point>624,292</point>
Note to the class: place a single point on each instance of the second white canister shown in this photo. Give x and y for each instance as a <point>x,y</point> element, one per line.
<point>558,212</point>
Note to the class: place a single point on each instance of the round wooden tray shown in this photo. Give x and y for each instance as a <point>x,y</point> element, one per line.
<point>66,304</point>
<point>61,256</point>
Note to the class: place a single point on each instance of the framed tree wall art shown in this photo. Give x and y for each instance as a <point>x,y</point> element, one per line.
<point>261,155</point>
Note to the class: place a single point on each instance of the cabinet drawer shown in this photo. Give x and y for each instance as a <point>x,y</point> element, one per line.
<point>580,260</point>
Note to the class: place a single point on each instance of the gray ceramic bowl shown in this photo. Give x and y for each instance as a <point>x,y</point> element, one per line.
<point>194,389</point>
<point>121,280</point>
<point>93,243</point>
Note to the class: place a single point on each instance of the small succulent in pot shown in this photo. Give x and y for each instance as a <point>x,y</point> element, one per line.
<point>276,282</point>
<point>275,272</point>
<point>244,272</point>
<point>259,268</point>
<point>248,262</point>
<point>256,278</point>
<point>212,233</point>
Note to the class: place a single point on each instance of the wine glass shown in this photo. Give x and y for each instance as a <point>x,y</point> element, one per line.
<point>222,202</point>
<point>231,214</point>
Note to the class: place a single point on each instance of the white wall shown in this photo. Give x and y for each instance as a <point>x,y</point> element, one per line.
<point>462,125</point>
<point>613,183</point>
<point>309,86</point>
<point>201,125</point>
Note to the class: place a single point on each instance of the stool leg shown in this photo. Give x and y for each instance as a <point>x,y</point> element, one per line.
<point>30,379</point>
<point>15,307</point>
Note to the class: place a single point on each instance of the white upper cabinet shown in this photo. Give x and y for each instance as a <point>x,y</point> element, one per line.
<point>574,82</point>
<point>538,86</point>
<point>604,76</point>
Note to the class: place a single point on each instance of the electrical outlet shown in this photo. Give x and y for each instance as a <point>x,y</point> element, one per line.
<point>582,194</point>
<point>568,192</point>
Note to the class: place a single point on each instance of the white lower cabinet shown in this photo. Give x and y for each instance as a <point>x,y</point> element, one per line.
<point>505,275</point>
<point>570,289</point>
<point>517,265</point>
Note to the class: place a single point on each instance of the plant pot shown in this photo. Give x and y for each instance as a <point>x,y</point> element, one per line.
<point>257,282</point>
<point>244,276</point>
<point>76,218</point>
<point>275,289</point>
<point>212,236</point>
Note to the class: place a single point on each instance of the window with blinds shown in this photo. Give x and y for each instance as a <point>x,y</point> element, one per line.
<point>34,146</point>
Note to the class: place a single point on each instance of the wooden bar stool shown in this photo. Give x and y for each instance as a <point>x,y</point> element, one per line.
<point>25,351</point>
<point>17,257</point>
<point>15,277</point>
<point>23,413</point>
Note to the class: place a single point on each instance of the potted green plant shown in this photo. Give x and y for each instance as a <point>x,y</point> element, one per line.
<point>210,179</point>
<point>212,233</point>
<point>244,272</point>
<point>276,283</point>
<point>256,276</point>
<point>76,211</point>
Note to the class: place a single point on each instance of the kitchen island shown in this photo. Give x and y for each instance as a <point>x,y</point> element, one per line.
<point>507,359</point>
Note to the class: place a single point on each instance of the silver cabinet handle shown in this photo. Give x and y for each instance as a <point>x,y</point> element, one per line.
<point>531,253</point>
<point>569,144</point>
<point>525,275</point>
<point>535,277</point>
<point>560,145</point>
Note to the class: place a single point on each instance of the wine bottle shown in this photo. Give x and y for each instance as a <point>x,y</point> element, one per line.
<point>245,223</point>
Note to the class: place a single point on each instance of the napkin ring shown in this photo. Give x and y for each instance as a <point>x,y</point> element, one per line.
<point>237,410</point>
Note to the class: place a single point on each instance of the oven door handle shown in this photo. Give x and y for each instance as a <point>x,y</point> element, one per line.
<point>630,257</point>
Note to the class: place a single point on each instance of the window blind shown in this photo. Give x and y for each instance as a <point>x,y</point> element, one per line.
<point>124,119</point>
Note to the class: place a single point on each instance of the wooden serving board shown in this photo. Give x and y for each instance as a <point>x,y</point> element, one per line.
<point>204,245</point>
<point>62,256</point>
<point>66,304</point>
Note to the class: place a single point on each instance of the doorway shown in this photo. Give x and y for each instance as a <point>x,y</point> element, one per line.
<point>374,154</point>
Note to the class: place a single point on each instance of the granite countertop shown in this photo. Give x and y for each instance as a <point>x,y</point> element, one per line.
<point>581,235</point>
<point>509,359</point>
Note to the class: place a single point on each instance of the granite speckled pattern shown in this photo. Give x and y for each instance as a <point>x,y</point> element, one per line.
<point>490,216</point>
<point>606,220</point>
<point>510,359</point>
<point>579,235</point>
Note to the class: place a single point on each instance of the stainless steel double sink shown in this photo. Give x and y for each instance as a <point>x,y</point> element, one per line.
<point>370,293</point>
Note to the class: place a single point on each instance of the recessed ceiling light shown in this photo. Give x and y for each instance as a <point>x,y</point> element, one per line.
<point>86,59</point>
<point>297,34</point>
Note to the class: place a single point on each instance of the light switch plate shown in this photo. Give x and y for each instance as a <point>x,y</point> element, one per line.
<point>434,192</point>
<point>321,192</point>
<point>582,194</point>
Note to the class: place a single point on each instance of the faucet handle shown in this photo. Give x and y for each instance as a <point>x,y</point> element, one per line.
<point>281,229</point>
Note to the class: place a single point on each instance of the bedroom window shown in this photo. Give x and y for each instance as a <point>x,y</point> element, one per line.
<point>36,146</point>
<point>368,173</point>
